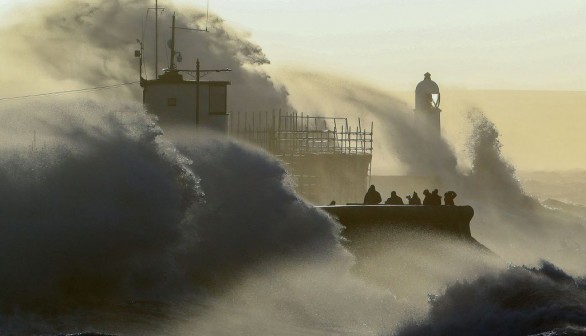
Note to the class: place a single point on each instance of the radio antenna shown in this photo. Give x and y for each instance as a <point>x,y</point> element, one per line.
<point>156,39</point>
<point>207,15</point>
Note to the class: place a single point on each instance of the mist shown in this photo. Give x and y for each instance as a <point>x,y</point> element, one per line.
<point>507,220</point>
<point>119,215</point>
<point>111,224</point>
<point>80,44</point>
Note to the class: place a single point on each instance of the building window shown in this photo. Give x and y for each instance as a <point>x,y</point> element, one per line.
<point>217,99</point>
<point>171,101</point>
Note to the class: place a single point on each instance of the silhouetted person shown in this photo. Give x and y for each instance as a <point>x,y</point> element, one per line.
<point>414,200</point>
<point>436,199</point>
<point>449,197</point>
<point>427,197</point>
<point>372,196</point>
<point>394,199</point>
<point>333,203</point>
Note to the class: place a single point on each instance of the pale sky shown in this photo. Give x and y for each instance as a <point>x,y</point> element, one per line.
<point>474,44</point>
<point>465,44</point>
<point>497,44</point>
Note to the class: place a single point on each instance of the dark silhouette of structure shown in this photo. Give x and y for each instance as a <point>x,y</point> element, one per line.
<point>177,101</point>
<point>449,197</point>
<point>326,156</point>
<point>414,199</point>
<point>427,101</point>
<point>452,220</point>
<point>372,196</point>
<point>394,199</point>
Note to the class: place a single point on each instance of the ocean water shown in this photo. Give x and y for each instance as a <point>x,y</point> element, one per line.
<point>110,225</point>
<point>112,228</point>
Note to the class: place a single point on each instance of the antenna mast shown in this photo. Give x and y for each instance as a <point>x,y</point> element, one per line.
<point>156,39</point>
<point>207,15</point>
<point>172,64</point>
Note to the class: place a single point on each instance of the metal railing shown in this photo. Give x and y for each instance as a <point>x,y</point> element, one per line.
<point>298,134</point>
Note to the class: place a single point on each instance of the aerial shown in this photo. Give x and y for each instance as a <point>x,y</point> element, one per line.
<point>276,167</point>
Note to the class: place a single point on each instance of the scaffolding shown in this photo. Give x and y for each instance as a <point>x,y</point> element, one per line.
<point>325,155</point>
<point>294,133</point>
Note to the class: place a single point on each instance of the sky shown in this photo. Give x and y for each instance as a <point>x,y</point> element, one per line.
<point>473,44</point>
<point>486,46</point>
<point>498,44</point>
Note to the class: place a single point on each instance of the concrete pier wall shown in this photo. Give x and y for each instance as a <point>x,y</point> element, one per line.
<point>453,220</point>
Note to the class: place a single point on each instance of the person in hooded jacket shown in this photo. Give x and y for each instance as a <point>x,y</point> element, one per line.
<point>372,196</point>
<point>449,197</point>
<point>394,199</point>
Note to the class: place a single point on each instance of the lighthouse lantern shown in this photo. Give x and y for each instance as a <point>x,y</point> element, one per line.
<point>427,102</point>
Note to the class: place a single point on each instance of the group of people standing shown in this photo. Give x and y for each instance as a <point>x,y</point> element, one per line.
<point>430,198</point>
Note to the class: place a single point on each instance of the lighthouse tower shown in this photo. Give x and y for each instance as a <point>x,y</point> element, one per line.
<point>427,111</point>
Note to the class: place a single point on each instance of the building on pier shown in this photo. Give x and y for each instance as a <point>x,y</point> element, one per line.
<point>328,158</point>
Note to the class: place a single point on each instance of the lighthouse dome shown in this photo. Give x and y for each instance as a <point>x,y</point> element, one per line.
<point>427,93</point>
<point>427,85</point>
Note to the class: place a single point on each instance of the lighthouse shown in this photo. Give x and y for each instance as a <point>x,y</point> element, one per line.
<point>427,111</point>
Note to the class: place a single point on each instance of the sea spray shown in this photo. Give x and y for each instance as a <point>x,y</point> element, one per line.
<point>512,223</point>
<point>156,256</point>
<point>70,44</point>
<point>508,221</point>
<point>401,145</point>
<point>102,221</point>
<point>492,177</point>
<point>250,209</point>
<point>518,301</point>
<point>121,226</point>
<point>298,297</point>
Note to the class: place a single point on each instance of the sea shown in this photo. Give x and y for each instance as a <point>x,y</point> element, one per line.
<point>112,225</point>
